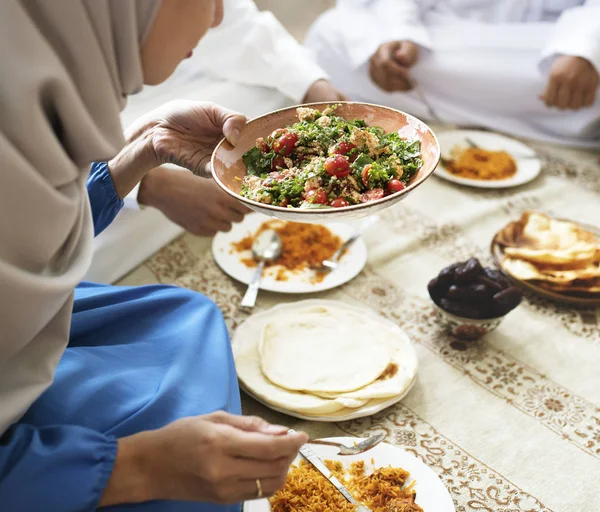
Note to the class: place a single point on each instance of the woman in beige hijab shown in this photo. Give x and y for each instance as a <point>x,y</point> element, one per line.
<point>109,396</point>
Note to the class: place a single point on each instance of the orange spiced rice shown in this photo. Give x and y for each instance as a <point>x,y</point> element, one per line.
<point>481,164</point>
<point>306,490</point>
<point>304,246</point>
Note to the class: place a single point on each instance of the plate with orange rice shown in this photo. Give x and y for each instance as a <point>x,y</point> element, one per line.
<point>304,247</point>
<point>497,161</point>
<point>385,479</point>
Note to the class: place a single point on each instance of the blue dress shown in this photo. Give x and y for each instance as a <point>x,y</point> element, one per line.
<point>138,358</point>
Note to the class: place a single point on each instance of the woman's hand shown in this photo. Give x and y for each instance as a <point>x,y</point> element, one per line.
<point>215,458</point>
<point>198,205</point>
<point>185,133</point>
<point>180,132</point>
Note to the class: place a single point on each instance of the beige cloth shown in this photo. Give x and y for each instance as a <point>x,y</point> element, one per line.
<point>66,68</point>
<point>509,423</point>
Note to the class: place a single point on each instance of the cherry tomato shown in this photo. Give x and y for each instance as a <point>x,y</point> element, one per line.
<point>365,175</point>
<point>343,148</point>
<point>316,196</point>
<point>337,166</point>
<point>278,133</point>
<point>264,147</point>
<point>278,161</point>
<point>372,195</point>
<point>339,202</point>
<point>394,186</point>
<point>285,144</point>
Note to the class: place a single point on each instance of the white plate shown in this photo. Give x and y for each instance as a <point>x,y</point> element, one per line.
<point>250,331</point>
<point>369,409</point>
<point>297,282</point>
<point>432,495</point>
<point>527,168</point>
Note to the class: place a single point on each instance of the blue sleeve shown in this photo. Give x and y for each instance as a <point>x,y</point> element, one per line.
<point>62,468</point>
<point>103,197</point>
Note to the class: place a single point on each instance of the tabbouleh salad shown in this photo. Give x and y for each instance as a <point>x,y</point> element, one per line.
<point>326,161</point>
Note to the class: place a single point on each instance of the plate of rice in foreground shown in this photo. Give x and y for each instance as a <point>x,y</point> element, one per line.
<point>304,247</point>
<point>496,161</point>
<point>385,479</point>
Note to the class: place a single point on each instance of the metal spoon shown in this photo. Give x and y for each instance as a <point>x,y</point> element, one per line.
<point>363,446</point>
<point>266,248</point>
<point>333,262</point>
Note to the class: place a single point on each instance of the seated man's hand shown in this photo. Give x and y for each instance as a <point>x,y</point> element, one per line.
<point>389,66</point>
<point>197,204</point>
<point>322,90</point>
<point>573,83</point>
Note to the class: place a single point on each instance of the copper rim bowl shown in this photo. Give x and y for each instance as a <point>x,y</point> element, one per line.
<point>228,168</point>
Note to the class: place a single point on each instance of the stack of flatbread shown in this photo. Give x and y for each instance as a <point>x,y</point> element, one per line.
<point>557,255</point>
<point>322,358</point>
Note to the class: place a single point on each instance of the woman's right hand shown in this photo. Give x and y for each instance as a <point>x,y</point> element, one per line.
<point>215,458</point>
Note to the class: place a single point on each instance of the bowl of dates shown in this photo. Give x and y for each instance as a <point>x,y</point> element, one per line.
<point>471,299</point>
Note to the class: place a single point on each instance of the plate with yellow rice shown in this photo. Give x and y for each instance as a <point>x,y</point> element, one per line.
<point>385,479</point>
<point>496,161</point>
<point>304,247</point>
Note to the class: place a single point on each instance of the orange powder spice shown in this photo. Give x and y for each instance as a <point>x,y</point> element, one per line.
<point>303,246</point>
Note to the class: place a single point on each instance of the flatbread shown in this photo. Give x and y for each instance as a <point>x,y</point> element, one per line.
<point>589,287</point>
<point>527,271</point>
<point>541,239</point>
<point>323,350</point>
<point>404,364</point>
<point>247,357</point>
<point>577,254</point>
<point>247,363</point>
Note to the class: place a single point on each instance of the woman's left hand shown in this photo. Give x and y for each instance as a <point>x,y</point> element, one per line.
<point>185,133</point>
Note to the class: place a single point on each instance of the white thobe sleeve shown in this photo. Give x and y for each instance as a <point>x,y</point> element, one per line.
<point>252,47</point>
<point>395,20</point>
<point>577,33</point>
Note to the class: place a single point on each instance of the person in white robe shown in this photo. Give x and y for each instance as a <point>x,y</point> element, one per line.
<point>527,68</point>
<point>249,63</point>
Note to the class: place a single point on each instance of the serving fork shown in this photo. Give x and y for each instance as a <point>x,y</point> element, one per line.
<point>333,262</point>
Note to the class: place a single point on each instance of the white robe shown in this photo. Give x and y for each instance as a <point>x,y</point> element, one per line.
<point>249,63</point>
<point>482,62</point>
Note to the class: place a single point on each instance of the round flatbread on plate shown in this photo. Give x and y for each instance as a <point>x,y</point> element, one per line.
<point>432,495</point>
<point>528,165</point>
<point>323,405</point>
<point>230,261</point>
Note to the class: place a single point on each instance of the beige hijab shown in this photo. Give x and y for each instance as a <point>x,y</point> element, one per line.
<point>66,67</point>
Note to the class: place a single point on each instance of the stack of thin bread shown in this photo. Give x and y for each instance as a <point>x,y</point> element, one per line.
<point>324,361</point>
<point>557,255</point>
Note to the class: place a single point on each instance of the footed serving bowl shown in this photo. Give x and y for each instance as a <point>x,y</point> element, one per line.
<point>228,169</point>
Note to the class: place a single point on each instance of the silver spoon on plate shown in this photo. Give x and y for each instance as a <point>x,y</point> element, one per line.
<point>266,248</point>
<point>356,448</point>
